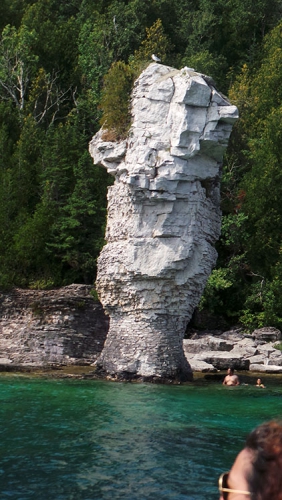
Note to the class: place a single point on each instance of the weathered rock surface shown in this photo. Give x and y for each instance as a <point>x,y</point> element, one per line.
<point>267,334</point>
<point>210,353</point>
<point>66,327</point>
<point>51,327</point>
<point>163,218</point>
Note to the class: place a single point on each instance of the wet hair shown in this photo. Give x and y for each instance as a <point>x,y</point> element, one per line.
<point>265,480</point>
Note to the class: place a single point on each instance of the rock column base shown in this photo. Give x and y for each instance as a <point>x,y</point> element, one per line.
<point>145,348</point>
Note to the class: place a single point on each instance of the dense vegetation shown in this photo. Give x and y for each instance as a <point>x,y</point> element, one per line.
<point>57,59</point>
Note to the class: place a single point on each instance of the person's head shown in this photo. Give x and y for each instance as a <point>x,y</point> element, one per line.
<point>230,370</point>
<point>258,381</point>
<point>256,472</point>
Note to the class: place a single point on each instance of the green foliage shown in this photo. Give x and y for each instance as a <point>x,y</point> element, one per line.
<point>126,24</point>
<point>57,31</point>
<point>251,227</point>
<point>64,64</point>
<point>94,60</point>
<point>17,63</point>
<point>217,282</point>
<point>156,41</point>
<point>204,62</point>
<point>115,98</point>
<point>262,181</point>
<point>77,234</point>
<point>232,231</point>
<point>265,85</point>
<point>118,82</point>
<point>263,305</point>
<point>41,284</point>
<point>11,12</point>
<point>94,294</point>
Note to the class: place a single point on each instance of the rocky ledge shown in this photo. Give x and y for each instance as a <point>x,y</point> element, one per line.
<point>66,329</point>
<point>210,351</point>
<point>49,328</point>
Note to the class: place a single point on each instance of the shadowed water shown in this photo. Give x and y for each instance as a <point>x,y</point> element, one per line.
<point>84,440</point>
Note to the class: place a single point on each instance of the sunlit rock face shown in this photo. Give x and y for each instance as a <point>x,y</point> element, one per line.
<point>163,219</point>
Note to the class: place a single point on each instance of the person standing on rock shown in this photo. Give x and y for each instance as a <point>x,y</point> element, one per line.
<point>231,378</point>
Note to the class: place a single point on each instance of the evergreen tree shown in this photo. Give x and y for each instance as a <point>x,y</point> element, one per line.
<point>57,61</point>
<point>252,194</point>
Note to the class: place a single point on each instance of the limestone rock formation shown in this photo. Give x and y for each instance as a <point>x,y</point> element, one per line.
<point>47,328</point>
<point>163,218</point>
<point>213,351</point>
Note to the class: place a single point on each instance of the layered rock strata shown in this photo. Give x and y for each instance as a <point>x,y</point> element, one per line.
<point>215,351</point>
<point>163,218</point>
<point>51,327</point>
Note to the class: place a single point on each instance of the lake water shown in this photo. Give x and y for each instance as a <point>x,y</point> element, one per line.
<point>85,439</point>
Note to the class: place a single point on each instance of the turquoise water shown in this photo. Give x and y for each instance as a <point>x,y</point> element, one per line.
<point>85,439</point>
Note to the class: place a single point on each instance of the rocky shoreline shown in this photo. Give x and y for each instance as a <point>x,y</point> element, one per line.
<point>78,372</point>
<point>61,333</point>
<point>51,328</point>
<point>212,351</point>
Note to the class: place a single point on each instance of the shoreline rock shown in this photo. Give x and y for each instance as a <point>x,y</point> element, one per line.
<point>212,351</point>
<point>40,328</point>
<point>54,331</point>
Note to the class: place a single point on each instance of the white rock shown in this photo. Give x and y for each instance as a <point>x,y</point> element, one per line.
<point>266,348</point>
<point>192,91</point>
<point>267,334</point>
<point>265,368</point>
<point>258,359</point>
<point>5,361</point>
<point>201,366</point>
<point>245,351</point>
<point>163,218</point>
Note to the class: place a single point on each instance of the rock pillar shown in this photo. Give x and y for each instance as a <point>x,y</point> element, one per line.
<point>163,219</point>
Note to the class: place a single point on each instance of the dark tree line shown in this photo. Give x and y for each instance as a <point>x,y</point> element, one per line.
<point>55,56</point>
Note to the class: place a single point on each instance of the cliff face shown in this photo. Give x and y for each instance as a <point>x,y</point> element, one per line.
<point>163,218</point>
<point>51,327</point>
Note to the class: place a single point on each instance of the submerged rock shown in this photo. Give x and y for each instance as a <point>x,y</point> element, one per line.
<point>163,218</point>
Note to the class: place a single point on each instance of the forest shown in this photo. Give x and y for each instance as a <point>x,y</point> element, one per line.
<point>57,59</point>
